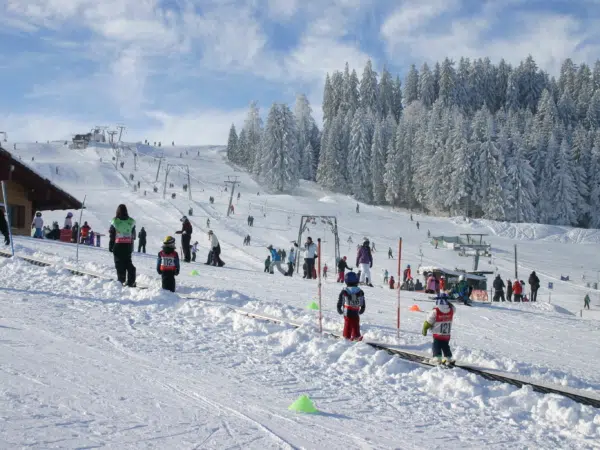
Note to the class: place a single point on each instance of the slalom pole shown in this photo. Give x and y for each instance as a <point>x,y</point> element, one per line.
<point>399,278</point>
<point>79,231</point>
<point>8,218</point>
<point>319,284</point>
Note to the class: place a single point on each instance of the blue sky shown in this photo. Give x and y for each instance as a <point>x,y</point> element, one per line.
<point>184,70</point>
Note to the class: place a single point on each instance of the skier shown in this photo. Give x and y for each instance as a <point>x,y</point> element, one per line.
<point>365,259</point>
<point>534,282</point>
<point>291,260</point>
<point>167,264</point>
<point>215,249</point>
<point>351,303</point>
<point>386,276</point>
<point>586,301</point>
<point>517,291</point>
<point>122,232</point>
<point>142,241</point>
<point>75,232</point>
<point>442,283</point>
<point>342,266</point>
<point>325,271</point>
<point>194,251</point>
<point>373,247</point>
<point>4,227</point>
<point>84,233</point>
<point>268,264</point>
<point>432,284</point>
<point>390,254</point>
<point>462,290</point>
<point>407,274</point>
<point>499,289</point>
<point>357,209</point>
<point>392,282</point>
<point>275,260</point>
<point>68,221</point>
<point>418,226</point>
<point>186,238</point>
<point>38,224</point>
<point>208,223</point>
<point>310,253</point>
<point>440,322</point>
<point>509,290</point>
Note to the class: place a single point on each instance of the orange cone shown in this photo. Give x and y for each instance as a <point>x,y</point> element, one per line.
<point>415,308</point>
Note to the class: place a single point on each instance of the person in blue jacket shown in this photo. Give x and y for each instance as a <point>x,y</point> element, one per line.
<point>275,260</point>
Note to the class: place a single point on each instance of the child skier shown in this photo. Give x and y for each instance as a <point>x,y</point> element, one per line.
<point>386,276</point>
<point>325,271</point>
<point>194,251</point>
<point>167,264</point>
<point>440,321</point>
<point>586,301</point>
<point>392,282</point>
<point>268,264</point>
<point>351,303</point>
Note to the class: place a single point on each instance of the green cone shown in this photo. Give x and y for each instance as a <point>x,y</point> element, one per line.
<point>194,272</point>
<point>303,405</point>
<point>313,305</point>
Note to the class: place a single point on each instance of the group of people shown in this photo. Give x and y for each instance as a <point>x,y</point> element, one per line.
<point>515,291</point>
<point>250,221</point>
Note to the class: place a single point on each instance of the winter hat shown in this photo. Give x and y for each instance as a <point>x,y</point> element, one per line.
<point>169,242</point>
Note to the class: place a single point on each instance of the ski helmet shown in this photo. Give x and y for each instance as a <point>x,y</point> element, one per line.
<point>169,241</point>
<point>461,278</point>
<point>345,258</point>
<point>351,279</point>
<point>184,218</point>
<point>69,215</point>
<point>38,214</point>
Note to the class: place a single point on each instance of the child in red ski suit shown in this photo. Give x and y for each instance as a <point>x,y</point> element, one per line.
<point>440,321</point>
<point>351,303</point>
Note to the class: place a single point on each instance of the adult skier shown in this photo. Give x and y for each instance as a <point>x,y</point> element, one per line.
<point>142,241</point>
<point>310,253</point>
<point>38,225</point>
<point>167,264</point>
<point>462,290</point>
<point>122,232</point>
<point>440,323</point>
<point>534,282</point>
<point>84,233</point>
<point>215,249</point>
<point>364,259</point>
<point>4,227</point>
<point>186,238</point>
<point>390,254</point>
<point>275,260</point>
<point>586,301</point>
<point>498,288</point>
<point>341,267</point>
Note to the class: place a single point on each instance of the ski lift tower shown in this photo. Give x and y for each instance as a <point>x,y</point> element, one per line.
<point>480,248</point>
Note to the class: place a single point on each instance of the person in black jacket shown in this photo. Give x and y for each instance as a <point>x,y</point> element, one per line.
<point>509,290</point>
<point>122,234</point>
<point>351,303</point>
<point>142,241</point>
<point>534,282</point>
<point>342,265</point>
<point>499,289</point>
<point>4,227</point>
<point>186,238</point>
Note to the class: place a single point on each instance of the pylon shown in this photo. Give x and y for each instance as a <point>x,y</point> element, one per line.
<point>303,405</point>
<point>313,305</point>
<point>415,308</point>
<point>194,272</point>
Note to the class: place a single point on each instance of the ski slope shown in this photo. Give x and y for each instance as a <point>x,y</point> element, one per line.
<point>93,364</point>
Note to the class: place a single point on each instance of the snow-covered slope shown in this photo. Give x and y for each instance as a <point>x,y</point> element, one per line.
<point>98,364</point>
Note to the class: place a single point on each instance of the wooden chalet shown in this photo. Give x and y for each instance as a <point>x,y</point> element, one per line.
<point>28,192</point>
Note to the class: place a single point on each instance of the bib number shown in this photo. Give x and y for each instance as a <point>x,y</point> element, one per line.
<point>169,262</point>
<point>445,328</point>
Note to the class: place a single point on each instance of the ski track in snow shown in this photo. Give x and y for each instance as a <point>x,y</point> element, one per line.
<point>90,364</point>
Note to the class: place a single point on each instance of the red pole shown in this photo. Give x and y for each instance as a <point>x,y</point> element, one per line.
<point>399,278</point>
<point>319,284</point>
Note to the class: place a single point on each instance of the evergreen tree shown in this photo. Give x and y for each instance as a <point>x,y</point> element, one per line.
<point>304,130</point>
<point>378,160</point>
<point>359,158</point>
<point>563,212</point>
<point>280,161</point>
<point>459,193</point>
<point>594,186</point>
<point>411,86</point>
<point>253,129</point>
<point>545,206</point>
<point>521,190</point>
<point>426,86</point>
<point>386,97</point>
<point>447,90</point>
<point>328,110</point>
<point>396,99</point>
<point>329,173</point>
<point>232,144</point>
<point>369,99</point>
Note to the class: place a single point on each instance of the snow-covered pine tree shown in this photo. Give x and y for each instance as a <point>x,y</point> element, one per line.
<point>393,166</point>
<point>242,147</point>
<point>306,162</point>
<point>315,143</point>
<point>232,144</point>
<point>531,84</point>
<point>280,162</point>
<point>579,163</point>
<point>563,212</point>
<point>458,196</point>
<point>594,184</point>
<point>253,127</point>
<point>426,86</point>
<point>304,129</point>
<point>329,173</point>
<point>592,117</point>
<point>386,97</point>
<point>546,183</point>
<point>378,160</point>
<point>447,92</point>
<point>369,97</point>
<point>411,85</point>
<point>359,158</point>
<point>328,111</point>
<point>397,99</point>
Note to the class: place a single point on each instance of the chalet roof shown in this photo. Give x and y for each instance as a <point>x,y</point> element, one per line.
<point>41,192</point>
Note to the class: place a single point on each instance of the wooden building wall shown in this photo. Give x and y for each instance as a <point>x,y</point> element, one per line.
<point>20,208</point>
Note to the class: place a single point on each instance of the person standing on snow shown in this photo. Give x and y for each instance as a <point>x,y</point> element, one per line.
<point>407,274</point>
<point>38,224</point>
<point>386,276</point>
<point>4,227</point>
<point>215,249</point>
<point>142,241</point>
<point>462,290</point>
<point>351,303</point>
<point>186,238</point>
<point>509,290</point>
<point>364,259</point>
<point>517,291</point>
<point>275,260</point>
<point>440,323</point>
<point>586,301</point>
<point>194,251</point>
<point>310,253</point>
<point>122,232</point>
<point>325,268</point>
<point>68,221</point>
<point>534,282</point>
<point>390,254</point>
<point>167,264</point>
<point>341,267</point>
<point>84,233</point>
<point>431,284</point>
<point>292,260</point>
<point>498,289</point>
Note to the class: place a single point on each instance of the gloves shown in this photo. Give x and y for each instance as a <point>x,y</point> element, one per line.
<point>426,327</point>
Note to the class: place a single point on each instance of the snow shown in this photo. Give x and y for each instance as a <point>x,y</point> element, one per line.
<point>88,363</point>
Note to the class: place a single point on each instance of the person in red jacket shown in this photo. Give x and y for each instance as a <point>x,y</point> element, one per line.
<point>517,291</point>
<point>392,282</point>
<point>351,303</point>
<point>442,283</point>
